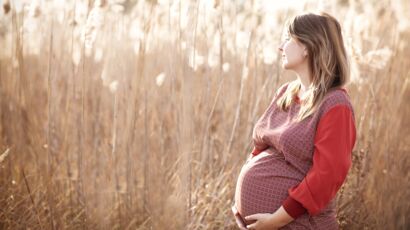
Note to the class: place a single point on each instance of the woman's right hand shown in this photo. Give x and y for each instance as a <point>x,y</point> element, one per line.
<point>239,223</point>
<point>238,219</point>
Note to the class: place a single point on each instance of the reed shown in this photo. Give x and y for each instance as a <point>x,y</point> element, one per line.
<point>139,114</point>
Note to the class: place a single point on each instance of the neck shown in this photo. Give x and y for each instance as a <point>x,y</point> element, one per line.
<point>304,76</point>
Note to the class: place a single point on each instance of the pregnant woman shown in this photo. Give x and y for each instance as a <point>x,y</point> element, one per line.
<point>303,141</point>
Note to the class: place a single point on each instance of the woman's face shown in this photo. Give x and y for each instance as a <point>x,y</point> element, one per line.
<point>293,53</point>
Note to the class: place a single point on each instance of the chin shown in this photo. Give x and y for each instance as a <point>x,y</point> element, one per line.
<point>288,66</point>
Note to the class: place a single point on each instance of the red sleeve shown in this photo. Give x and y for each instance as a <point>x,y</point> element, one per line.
<point>334,141</point>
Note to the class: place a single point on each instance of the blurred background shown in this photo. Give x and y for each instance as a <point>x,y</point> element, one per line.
<point>129,114</point>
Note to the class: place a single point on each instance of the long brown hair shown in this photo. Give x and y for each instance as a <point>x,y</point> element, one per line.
<point>328,61</point>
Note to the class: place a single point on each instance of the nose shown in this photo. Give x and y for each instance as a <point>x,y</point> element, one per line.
<point>280,48</point>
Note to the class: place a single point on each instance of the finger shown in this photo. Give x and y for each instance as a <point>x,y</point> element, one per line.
<point>252,217</point>
<point>239,222</point>
<point>251,226</point>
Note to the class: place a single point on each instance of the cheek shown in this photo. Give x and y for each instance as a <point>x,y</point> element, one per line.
<point>293,55</point>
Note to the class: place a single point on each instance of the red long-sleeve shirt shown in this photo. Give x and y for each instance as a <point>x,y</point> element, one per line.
<point>334,140</point>
<point>301,165</point>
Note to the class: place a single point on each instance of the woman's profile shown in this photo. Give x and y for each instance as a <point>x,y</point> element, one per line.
<point>303,141</point>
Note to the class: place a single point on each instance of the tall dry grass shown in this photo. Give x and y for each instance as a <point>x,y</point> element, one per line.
<point>138,114</point>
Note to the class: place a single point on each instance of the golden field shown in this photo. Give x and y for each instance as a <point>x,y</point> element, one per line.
<point>125,114</point>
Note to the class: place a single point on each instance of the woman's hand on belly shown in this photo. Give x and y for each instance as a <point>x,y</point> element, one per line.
<point>239,222</point>
<point>269,221</point>
<point>263,221</point>
<point>238,218</point>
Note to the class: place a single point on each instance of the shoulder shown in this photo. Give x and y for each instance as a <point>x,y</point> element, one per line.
<point>336,98</point>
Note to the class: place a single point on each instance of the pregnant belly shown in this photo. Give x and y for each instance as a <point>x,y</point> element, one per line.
<point>263,184</point>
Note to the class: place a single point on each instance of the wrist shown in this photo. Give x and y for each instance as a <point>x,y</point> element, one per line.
<point>274,222</point>
<point>280,218</point>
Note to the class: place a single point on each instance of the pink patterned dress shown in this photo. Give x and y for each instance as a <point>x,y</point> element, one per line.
<point>304,162</point>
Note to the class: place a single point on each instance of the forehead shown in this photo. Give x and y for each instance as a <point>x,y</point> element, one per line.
<point>285,34</point>
<point>287,27</point>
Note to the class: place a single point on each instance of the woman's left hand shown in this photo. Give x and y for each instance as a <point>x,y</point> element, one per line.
<point>264,221</point>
